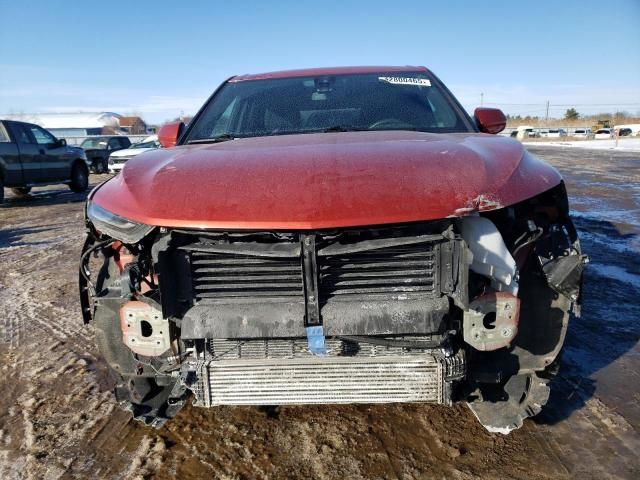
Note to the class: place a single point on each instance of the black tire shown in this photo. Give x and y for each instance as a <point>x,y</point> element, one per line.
<point>99,166</point>
<point>21,191</point>
<point>79,178</point>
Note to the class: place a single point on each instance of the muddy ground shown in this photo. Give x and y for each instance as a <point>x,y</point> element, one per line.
<point>59,420</point>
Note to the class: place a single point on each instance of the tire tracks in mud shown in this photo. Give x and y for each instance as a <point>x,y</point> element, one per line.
<point>58,406</point>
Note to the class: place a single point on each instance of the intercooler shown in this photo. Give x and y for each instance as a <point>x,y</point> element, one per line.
<point>317,380</point>
<point>283,372</point>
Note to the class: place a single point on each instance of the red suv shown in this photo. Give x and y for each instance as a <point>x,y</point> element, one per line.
<point>338,235</point>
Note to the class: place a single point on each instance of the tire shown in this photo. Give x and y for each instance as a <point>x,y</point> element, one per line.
<point>21,191</point>
<point>99,166</point>
<point>79,178</point>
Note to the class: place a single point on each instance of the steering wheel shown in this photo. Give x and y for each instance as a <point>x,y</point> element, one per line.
<point>390,122</point>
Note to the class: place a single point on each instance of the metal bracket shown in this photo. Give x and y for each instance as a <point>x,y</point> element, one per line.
<point>491,322</point>
<point>310,274</point>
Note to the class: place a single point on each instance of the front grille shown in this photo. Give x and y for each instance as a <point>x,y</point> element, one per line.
<point>120,160</point>
<point>227,276</point>
<point>386,271</point>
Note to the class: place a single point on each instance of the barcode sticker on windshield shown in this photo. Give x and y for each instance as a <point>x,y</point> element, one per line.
<point>418,82</point>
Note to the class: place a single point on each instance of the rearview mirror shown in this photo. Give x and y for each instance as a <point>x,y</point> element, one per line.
<point>169,134</point>
<point>490,120</point>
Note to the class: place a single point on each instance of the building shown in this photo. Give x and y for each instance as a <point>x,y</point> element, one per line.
<point>133,125</point>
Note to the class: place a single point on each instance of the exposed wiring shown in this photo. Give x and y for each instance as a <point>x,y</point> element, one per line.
<point>535,236</point>
<point>83,263</point>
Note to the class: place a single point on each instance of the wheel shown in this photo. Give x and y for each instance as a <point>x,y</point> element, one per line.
<point>79,178</point>
<point>21,191</point>
<point>99,166</point>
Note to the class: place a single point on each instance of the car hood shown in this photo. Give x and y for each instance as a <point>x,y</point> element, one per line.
<point>129,152</point>
<point>329,180</point>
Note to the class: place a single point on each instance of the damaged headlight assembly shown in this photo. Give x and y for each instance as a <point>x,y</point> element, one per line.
<point>115,226</point>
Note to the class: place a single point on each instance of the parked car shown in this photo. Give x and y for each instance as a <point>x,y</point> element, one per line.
<point>553,132</point>
<point>583,133</point>
<point>604,134</point>
<point>334,235</point>
<point>523,132</point>
<point>625,132</point>
<point>118,158</point>
<point>30,156</point>
<point>98,150</point>
<point>557,133</point>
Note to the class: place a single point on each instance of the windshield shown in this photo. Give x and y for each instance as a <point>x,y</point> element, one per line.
<point>96,143</point>
<point>402,101</point>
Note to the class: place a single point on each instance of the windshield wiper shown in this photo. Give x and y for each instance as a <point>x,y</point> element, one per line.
<point>342,128</point>
<point>220,138</point>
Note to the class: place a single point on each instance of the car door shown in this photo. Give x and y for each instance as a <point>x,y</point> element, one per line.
<point>55,164</point>
<point>30,153</point>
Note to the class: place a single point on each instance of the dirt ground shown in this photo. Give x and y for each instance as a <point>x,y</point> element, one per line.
<point>58,418</point>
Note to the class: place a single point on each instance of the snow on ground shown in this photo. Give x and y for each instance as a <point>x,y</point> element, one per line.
<point>624,144</point>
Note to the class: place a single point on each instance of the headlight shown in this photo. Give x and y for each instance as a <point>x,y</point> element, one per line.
<point>116,226</point>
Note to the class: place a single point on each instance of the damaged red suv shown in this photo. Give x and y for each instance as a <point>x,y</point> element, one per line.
<point>339,235</point>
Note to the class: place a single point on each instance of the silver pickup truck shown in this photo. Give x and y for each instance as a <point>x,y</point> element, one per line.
<point>31,156</point>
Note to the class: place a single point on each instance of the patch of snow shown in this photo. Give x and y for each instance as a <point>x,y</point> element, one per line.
<point>624,144</point>
<point>617,273</point>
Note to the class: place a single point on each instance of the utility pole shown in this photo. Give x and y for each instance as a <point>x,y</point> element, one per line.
<point>546,117</point>
<point>481,99</point>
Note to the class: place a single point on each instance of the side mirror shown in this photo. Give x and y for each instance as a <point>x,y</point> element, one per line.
<point>169,134</point>
<point>59,143</point>
<point>490,120</point>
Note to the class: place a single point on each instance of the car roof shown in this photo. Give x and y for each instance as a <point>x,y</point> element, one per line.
<point>310,72</point>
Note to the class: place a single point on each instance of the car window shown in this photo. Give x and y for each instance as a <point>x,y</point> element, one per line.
<point>94,143</point>
<point>42,136</point>
<point>4,135</point>
<point>114,143</point>
<point>23,134</point>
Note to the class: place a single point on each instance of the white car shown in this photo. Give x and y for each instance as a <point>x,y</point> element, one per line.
<point>553,132</point>
<point>582,133</point>
<point>119,158</point>
<point>604,134</point>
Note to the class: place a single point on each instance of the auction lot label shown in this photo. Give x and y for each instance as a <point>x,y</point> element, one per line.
<point>418,82</point>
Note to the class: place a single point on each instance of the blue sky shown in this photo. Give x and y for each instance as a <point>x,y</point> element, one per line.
<point>163,57</point>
